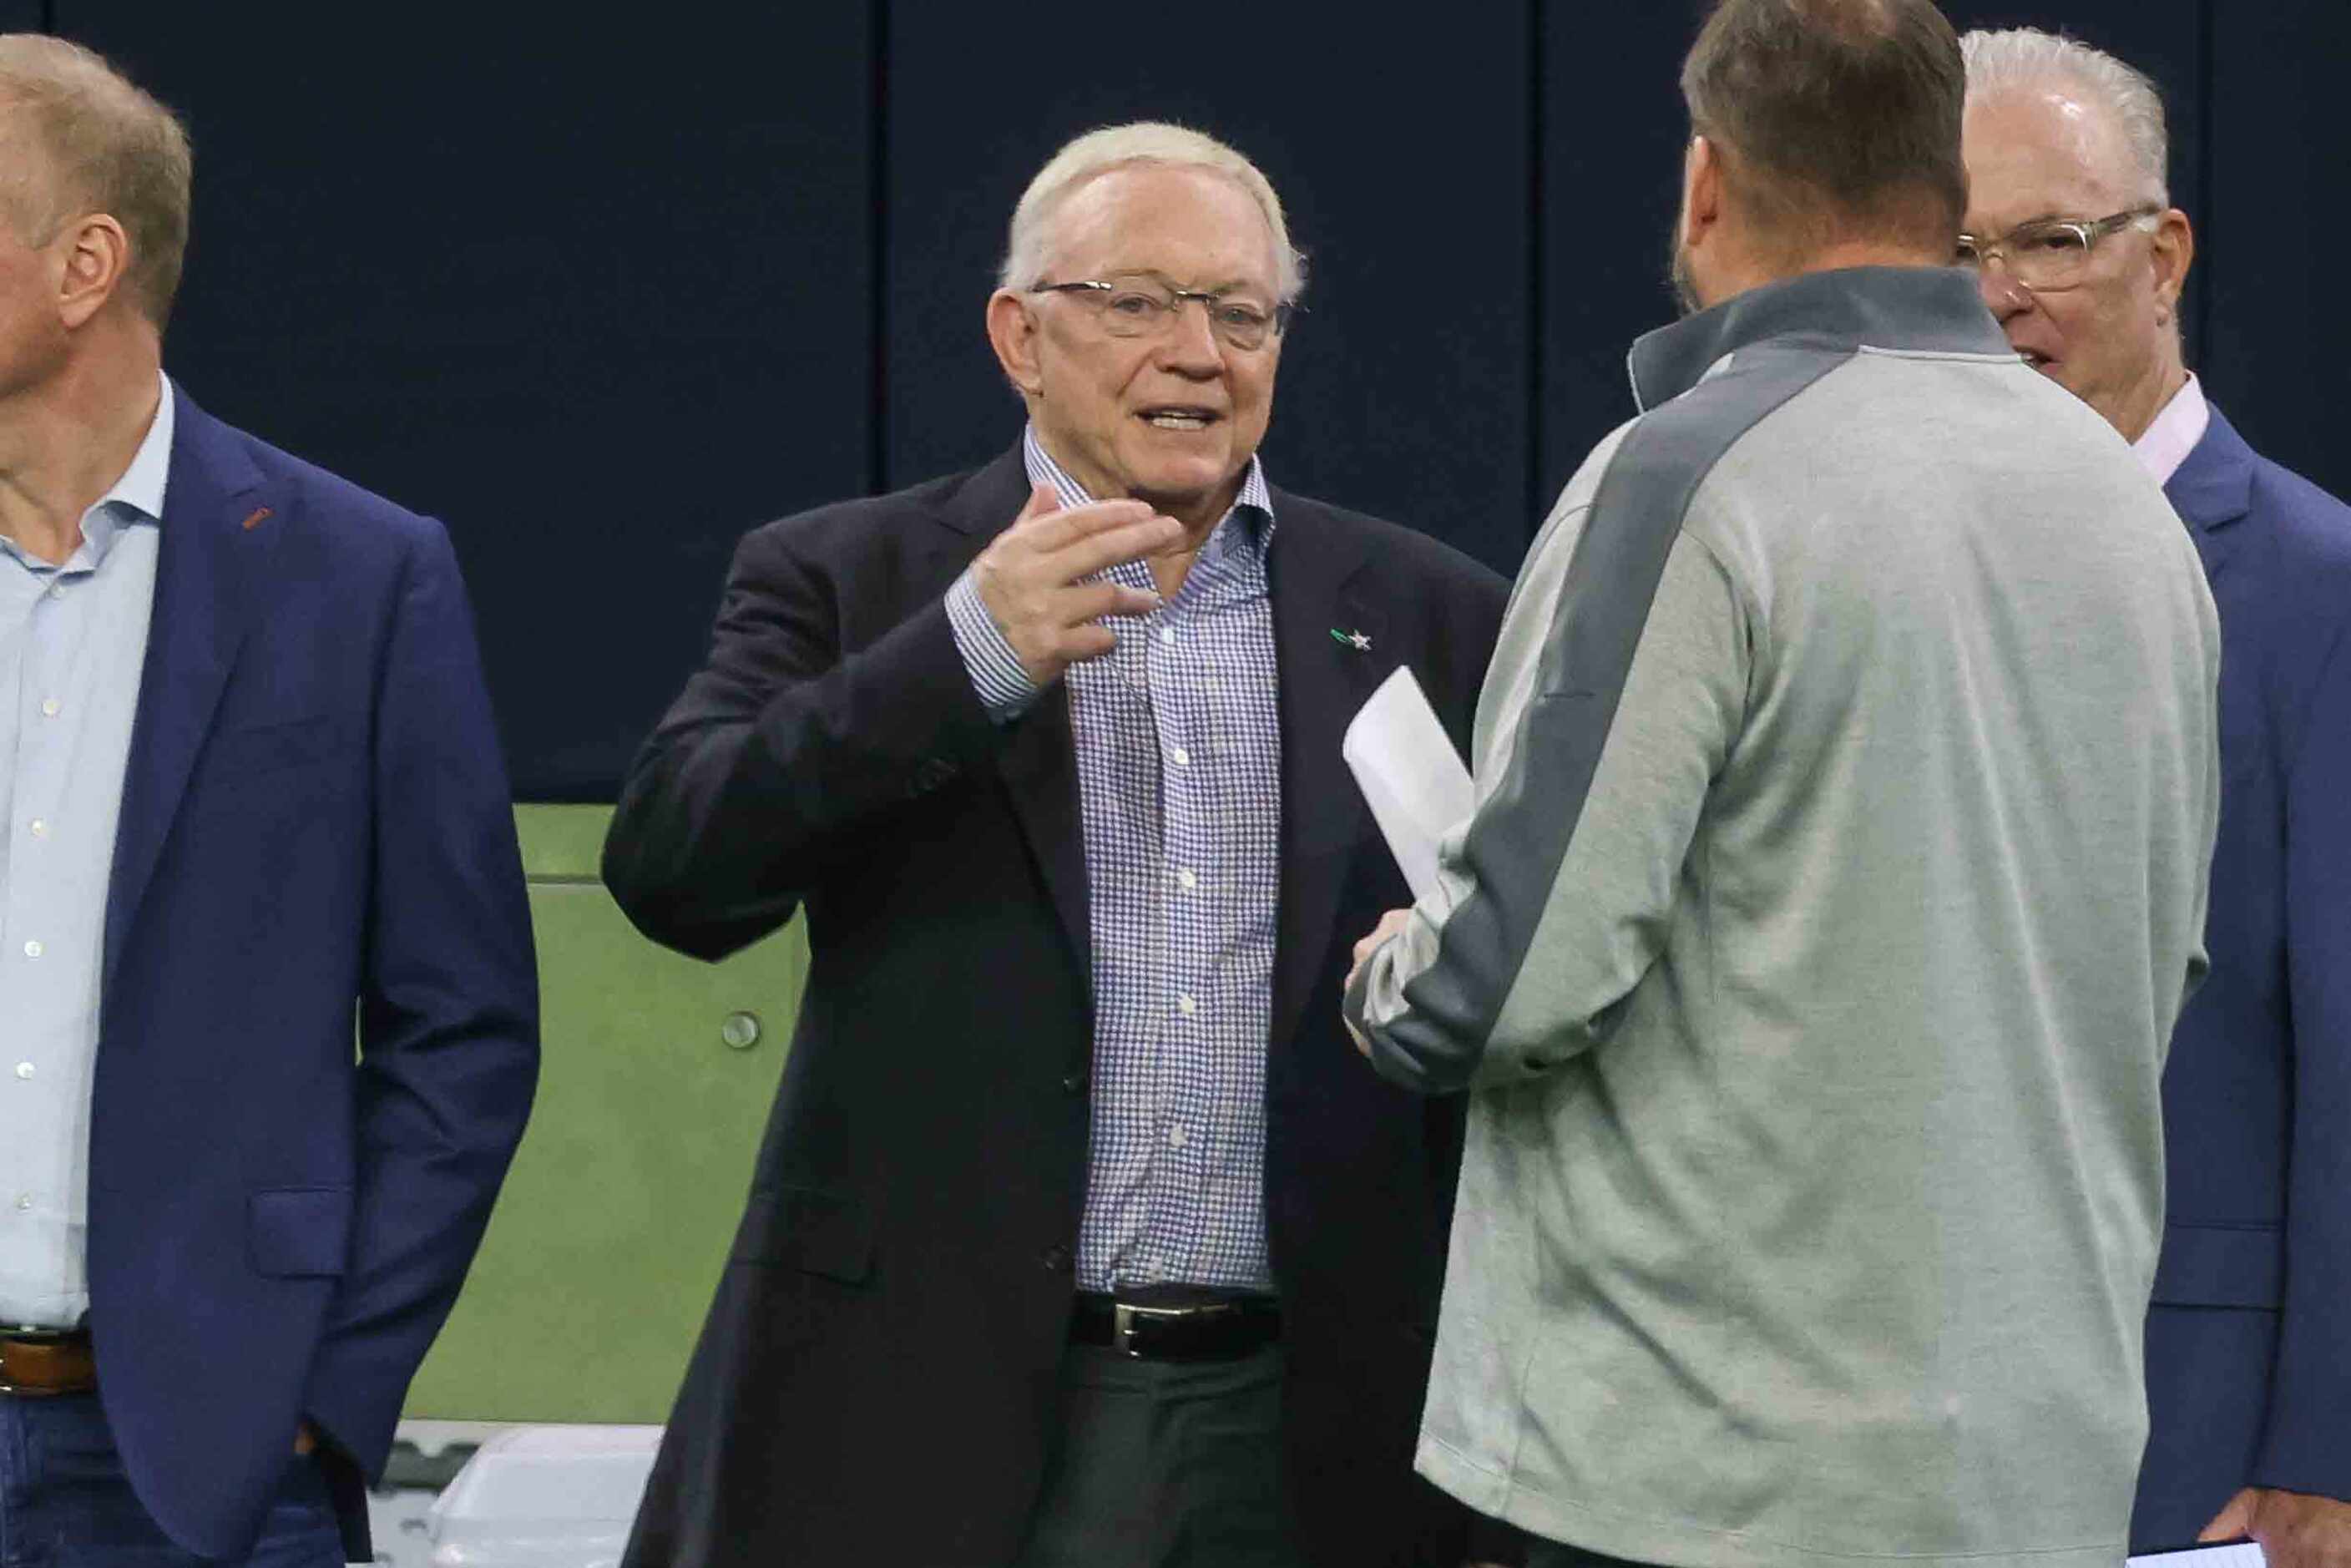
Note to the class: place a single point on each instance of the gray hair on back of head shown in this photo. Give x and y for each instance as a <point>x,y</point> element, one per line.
<point>2016,59</point>
<point>1144,141</point>
<point>100,144</point>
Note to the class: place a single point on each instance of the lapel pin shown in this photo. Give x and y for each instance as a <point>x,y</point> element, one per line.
<point>259,513</point>
<point>1355,639</point>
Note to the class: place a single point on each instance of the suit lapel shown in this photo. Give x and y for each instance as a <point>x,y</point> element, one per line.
<point>1038,759</point>
<point>2212,489</point>
<point>1039,764</point>
<point>1324,679</point>
<point>209,576</point>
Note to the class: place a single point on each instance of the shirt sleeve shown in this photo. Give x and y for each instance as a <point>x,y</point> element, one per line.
<point>1003,687</point>
<point>1554,899</point>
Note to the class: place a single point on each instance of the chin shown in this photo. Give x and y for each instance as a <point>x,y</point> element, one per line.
<point>1190,478</point>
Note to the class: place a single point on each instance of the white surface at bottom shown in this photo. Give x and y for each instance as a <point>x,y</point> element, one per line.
<point>545,1496</point>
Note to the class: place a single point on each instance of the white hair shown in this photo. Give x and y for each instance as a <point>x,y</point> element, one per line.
<point>2025,58</point>
<point>1144,141</point>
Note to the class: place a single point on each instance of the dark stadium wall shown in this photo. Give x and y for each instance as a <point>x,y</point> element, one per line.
<point>602,297</point>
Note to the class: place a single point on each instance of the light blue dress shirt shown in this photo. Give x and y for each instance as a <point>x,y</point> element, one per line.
<point>1178,739</point>
<point>73,641</point>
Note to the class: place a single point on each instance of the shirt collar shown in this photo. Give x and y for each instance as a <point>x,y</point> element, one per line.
<point>2174,432</point>
<point>1253,506</point>
<point>1935,310</point>
<point>136,496</point>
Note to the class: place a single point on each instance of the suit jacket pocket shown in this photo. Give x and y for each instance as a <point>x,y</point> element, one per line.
<point>299,1232</point>
<point>807,1229</point>
<point>2220,1266</point>
<point>267,747</point>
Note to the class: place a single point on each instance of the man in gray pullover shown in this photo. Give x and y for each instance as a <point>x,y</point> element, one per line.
<point>1847,787</point>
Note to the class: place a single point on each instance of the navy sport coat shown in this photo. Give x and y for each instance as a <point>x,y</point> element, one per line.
<point>315,825</point>
<point>2249,1339</point>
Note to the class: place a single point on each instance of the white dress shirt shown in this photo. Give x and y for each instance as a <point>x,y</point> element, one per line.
<point>73,642</point>
<point>2174,432</point>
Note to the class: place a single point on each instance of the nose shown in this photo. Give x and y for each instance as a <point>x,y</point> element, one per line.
<point>1190,347</point>
<point>2003,296</point>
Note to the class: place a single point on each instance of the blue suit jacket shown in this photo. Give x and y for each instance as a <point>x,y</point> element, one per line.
<point>2249,1340</point>
<point>315,821</point>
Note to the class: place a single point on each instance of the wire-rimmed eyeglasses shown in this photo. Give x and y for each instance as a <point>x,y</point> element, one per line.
<point>2049,253</point>
<point>1142,306</point>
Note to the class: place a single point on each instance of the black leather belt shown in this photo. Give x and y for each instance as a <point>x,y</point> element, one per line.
<point>36,1361</point>
<point>1219,1331</point>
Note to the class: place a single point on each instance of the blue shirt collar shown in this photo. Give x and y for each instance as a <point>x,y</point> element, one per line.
<point>1253,506</point>
<point>136,497</point>
<point>142,484</point>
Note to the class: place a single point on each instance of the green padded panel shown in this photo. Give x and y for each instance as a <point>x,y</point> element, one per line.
<point>611,1229</point>
<point>561,844</point>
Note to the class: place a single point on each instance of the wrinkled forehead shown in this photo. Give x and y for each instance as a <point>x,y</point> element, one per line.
<point>2043,151</point>
<point>1192,226</point>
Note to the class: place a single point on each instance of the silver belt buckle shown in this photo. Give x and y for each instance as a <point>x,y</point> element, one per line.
<point>1122,1322</point>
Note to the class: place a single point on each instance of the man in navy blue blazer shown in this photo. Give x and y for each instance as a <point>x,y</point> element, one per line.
<point>2249,1339</point>
<point>249,792</point>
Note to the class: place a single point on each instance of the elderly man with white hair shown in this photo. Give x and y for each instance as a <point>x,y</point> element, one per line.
<point>2083,258</point>
<point>1075,1237</point>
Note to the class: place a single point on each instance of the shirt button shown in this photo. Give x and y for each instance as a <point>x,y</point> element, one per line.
<point>1183,758</point>
<point>1167,633</point>
<point>41,828</point>
<point>1185,880</point>
<point>24,1070</point>
<point>1187,1006</point>
<point>32,949</point>
<point>49,707</point>
<point>1176,1137</point>
<point>23,1200</point>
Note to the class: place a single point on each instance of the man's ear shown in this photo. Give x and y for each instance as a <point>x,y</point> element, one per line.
<point>97,256</point>
<point>2173,253</point>
<point>1012,332</point>
<point>1701,191</point>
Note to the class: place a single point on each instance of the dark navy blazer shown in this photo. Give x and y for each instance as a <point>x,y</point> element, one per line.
<point>315,823</point>
<point>876,1379</point>
<point>2249,1340</point>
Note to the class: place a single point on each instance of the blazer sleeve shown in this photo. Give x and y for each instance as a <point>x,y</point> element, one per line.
<point>2306,1446</point>
<point>448,1013</point>
<point>782,748</point>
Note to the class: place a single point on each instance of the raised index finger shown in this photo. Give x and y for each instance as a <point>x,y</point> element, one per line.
<point>1058,530</point>
<point>1113,545</point>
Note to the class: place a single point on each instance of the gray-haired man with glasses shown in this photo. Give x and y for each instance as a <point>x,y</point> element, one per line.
<point>2249,1338</point>
<point>1076,1238</point>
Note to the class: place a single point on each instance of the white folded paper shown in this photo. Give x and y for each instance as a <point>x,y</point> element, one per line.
<point>1410,774</point>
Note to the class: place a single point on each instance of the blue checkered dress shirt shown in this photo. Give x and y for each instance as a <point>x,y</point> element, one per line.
<point>1178,737</point>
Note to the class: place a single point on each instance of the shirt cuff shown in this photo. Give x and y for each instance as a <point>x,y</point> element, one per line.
<point>1004,688</point>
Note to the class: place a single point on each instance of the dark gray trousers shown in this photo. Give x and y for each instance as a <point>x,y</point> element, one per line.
<point>1165,1464</point>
